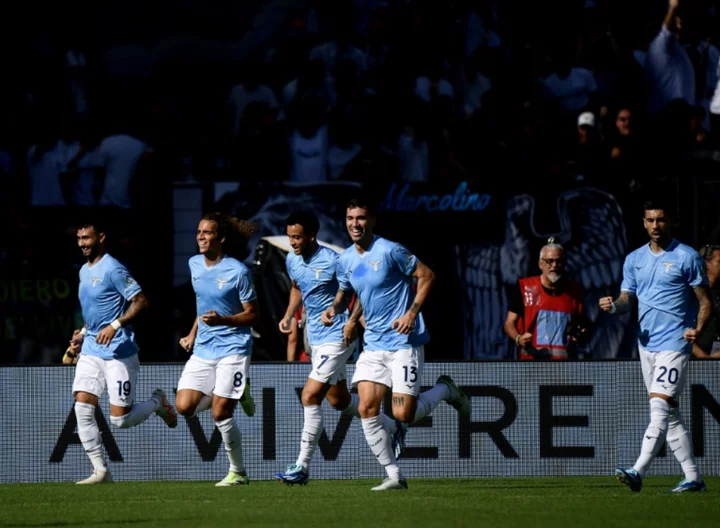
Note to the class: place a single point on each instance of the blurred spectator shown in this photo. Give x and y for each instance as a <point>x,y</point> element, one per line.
<point>669,68</point>
<point>249,90</point>
<point>714,108</point>
<point>572,88</point>
<point>308,140</point>
<point>546,317</point>
<point>343,146</point>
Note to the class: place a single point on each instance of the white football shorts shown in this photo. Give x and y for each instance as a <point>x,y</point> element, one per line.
<point>118,376</point>
<point>664,372</point>
<point>328,362</point>
<point>225,377</point>
<point>400,369</point>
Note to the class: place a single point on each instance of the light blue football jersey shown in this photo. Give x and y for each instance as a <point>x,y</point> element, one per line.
<point>105,291</point>
<point>382,279</point>
<point>222,287</point>
<point>317,280</point>
<point>663,284</point>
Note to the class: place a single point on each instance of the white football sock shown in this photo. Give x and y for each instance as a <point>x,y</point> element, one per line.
<point>352,410</point>
<point>678,439</point>
<point>137,415</point>
<point>654,435</point>
<point>428,400</point>
<point>203,405</point>
<point>233,444</point>
<point>380,442</point>
<point>89,434</point>
<point>312,430</point>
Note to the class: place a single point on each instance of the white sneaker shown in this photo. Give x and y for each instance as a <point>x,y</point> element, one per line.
<point>391,484</point>
<point>99,476</point>
<point>165,411</point>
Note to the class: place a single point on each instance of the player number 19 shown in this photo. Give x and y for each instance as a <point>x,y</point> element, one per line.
<point>123,388</point>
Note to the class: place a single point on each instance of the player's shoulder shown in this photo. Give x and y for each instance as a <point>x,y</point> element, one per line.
<point>637,253</point>
<point>328,254</point>
<point>114,265</point>
<point>347,255</point>
<point>388,246</point>
<point>384,243</point>
<point>195,260</point>
<point>291,259</point>
<point>686,252</point>
<point>235,265</point>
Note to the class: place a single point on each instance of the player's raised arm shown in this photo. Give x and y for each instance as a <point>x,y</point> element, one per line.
<point>621,305</point>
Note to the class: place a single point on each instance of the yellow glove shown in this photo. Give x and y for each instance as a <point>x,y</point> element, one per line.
<point>69,358</point>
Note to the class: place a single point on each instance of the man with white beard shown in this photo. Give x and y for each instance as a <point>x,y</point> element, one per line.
<point>545,314</point>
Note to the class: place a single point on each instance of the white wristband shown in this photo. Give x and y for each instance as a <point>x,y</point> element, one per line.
<point>116,325</point>
<point>613,308</point>
<point>83,330</point>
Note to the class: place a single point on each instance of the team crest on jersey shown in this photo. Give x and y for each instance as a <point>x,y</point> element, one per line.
<point>668,265</point>
<point>221,283</point>
<point>375,264</point>
<point>95,280</point>
<point>317,272</point>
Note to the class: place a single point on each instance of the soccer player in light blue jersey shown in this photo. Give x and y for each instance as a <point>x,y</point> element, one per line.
<point>108,356</point>
<point>668,282</point>
<point>216,375</point>
<point>382,273</point>
<point>312,270</point>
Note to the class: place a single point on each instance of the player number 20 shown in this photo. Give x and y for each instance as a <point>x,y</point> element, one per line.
<point>123,388</point>
<point>672,375</point>
<point>410,372</point>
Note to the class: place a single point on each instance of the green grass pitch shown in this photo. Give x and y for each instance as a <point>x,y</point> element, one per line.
<point>488,502</point>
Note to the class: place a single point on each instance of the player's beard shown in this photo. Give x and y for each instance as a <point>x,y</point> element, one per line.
<point>93,253</point>
<point>554,276</point>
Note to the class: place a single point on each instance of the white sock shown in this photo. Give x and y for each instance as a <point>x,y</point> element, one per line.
<point>352,410</point>
<point>678,439</point>
<point>89,434</point>
<point>312,430</point>
<point>654,435</point>
<point>233,444</point>
<point>137,415</point>
<point>428,400</point>
<point>203,405</point>
<point>378,438</point>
